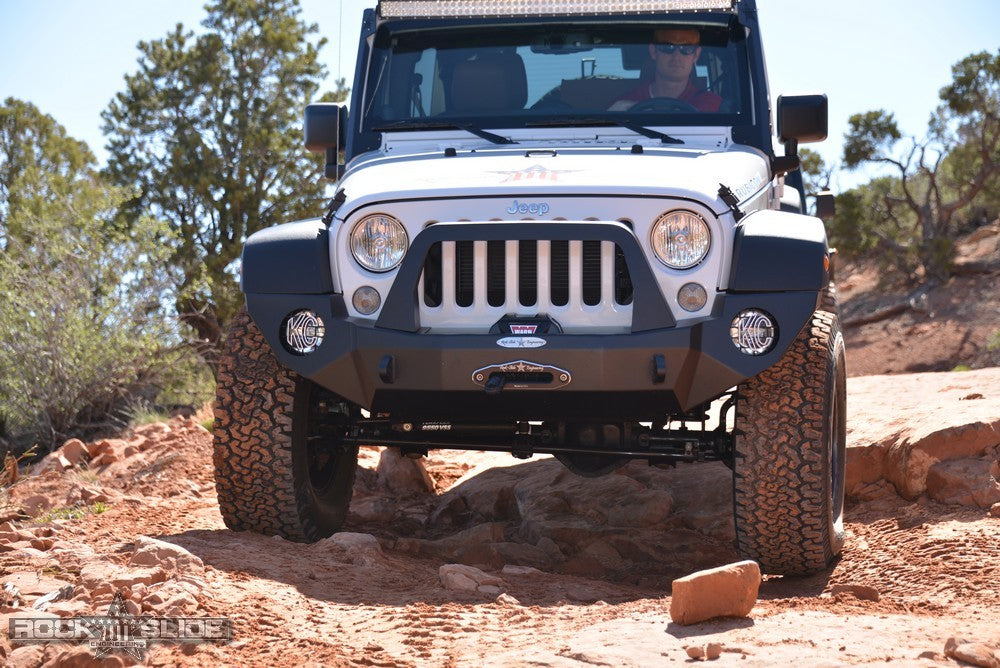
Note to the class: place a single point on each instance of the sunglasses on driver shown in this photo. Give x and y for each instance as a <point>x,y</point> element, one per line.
<point>685,49</point>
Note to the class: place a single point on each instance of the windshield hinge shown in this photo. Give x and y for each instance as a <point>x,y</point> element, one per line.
<point>731,201</point>
<point>338,199</point>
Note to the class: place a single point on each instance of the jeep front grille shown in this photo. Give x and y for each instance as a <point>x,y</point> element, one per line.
<point>468,285</point>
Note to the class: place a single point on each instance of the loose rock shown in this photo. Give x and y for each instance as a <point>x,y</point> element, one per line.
<point>74,451</point>
<point>361,549</point>
<point>975,653</point>
<point>863,592</point>
<point>168,556</point>
<point>401,475</point>
<point>967,482</point>
<point>460,577</point>
<point>727,591</point>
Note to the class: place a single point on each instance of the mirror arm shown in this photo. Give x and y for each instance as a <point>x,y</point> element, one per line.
<point>782,164</point>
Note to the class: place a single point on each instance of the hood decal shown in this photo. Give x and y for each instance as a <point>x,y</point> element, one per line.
<point>534,173</point>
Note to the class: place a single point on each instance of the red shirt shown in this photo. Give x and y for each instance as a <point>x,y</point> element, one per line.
<point>697,97</point>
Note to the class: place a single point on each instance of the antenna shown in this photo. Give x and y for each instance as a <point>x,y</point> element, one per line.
<point>340,38</point>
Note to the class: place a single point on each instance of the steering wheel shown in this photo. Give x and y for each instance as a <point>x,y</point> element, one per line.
<point>664,105</point>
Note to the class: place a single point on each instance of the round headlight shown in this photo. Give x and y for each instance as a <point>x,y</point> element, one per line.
<point>681,239</point>
<point>379,242</point>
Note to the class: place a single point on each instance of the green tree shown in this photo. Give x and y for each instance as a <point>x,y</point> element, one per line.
<point>816,174</point>
<point>938,177</point>
<point>30,139</point>
<point>82,328</point>
<point>209,128</point>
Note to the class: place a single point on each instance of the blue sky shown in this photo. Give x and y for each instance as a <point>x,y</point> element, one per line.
<point>69,57</point>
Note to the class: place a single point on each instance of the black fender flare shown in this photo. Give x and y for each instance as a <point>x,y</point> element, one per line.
<point>293,258</point>
<point>777,251</point>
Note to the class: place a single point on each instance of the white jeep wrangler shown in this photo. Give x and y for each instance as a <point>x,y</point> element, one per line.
<point>558,229</point>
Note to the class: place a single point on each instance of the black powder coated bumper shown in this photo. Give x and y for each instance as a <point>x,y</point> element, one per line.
<point>392,366</point>
<point>612,376</point>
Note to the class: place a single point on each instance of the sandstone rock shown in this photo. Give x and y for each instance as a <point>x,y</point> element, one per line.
<point>62,594</point>
<point>42,544</point>
<point>713,651</point>
<point>54,462</point>
<point>81,657</point>
<point>104,445</point>
<point>32,584</point>
<point>909,461</point>
<point>74,451</point>
<point>460,577</point>
<point>521,554</point>
<point>874,491</point>
<point>975,653</point>
<point>170,599</point>
<point>863,592</point>
<point>29,656</point>
<point>865,465</point>
<point>457,547</point>
<point>36,504</point>
<point>361,549</point>
<point>72,608</point>
<point>508,600</point>
<point>102,578</point>
<point>965,482</point>
<point>105,459</point>
<point>152,429</point>
<point>511,569</point>
<point>168,556</point>
<point>726,591</point>
<point>695,651</point>
<point>457,581</point>
<point>550,548</point>
<point>995,510</point>
<point>10,513</point>
<point>401,475</point>
<point>372,509</point>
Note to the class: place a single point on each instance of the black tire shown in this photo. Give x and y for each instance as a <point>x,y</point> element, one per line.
<point>279,466</point>
<point>829,301</point>
<point>788,475</point>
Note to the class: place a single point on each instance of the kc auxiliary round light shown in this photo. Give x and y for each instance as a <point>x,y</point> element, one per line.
<point>303,332</point>
<point>753,331</point>
<point>692,297</point>
<point>680,239</point>
<point>379,242</point>
<point>366,300</point>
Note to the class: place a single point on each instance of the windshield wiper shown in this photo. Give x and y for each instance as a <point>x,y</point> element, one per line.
<point>446,125</point>
<point>628,125</point>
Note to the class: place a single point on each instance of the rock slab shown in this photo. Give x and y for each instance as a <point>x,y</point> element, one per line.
<point>726,591</point>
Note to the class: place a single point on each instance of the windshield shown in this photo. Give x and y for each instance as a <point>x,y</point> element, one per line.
<point>519,75</point>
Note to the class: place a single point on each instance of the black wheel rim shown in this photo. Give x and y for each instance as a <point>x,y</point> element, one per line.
<point>838,442</point>
<point>327,422</point>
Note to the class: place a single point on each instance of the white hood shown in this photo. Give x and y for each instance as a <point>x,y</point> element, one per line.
<point>533,169</point>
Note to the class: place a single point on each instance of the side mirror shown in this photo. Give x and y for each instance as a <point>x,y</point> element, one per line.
<point>325,129</point>
<point>826,205</point>
<point>802,118</point>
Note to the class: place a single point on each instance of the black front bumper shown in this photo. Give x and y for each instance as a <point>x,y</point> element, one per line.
<point>658,368</point>
<point>613,377</point>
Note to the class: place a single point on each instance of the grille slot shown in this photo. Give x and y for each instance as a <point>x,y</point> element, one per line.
<point>469,285</point>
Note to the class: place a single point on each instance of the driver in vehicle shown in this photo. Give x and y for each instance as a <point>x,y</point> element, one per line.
<point>674,53</point>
